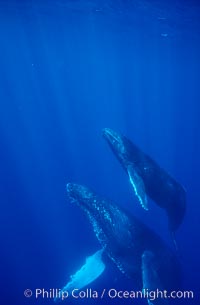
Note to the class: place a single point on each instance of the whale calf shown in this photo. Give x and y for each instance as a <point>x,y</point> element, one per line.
<point>137,251</point>
<point>148,178</point>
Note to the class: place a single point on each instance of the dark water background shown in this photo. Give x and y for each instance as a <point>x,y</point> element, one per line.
<point>67,70</point>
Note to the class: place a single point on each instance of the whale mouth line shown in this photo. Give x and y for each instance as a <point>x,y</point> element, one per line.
<point>111,136</point>
<point>107,132</point>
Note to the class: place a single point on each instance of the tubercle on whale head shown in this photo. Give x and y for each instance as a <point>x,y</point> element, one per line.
<point>96,208</point>
<point>74,190</point>
<point>79,192</point>
<point>105,216</point>
<point>85,198</point>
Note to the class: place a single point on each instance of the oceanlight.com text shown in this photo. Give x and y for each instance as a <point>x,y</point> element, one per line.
<point>112,293</point>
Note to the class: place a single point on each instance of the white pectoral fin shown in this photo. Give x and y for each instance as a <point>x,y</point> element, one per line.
<point>138,186</point>
<point>88,273</point>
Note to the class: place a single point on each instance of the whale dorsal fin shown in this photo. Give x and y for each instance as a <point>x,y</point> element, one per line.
<point>138,186</point>
<point>88,273</point>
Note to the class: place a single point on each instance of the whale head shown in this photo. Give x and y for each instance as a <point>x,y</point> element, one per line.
<point>119,144</point>
<point>110,224</point>
<point>114,139</point>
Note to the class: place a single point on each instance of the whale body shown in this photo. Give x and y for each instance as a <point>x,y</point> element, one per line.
<point>137,251</point>
<point>148,178</point>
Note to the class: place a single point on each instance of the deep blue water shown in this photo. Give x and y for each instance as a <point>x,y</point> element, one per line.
<point>67,70</point>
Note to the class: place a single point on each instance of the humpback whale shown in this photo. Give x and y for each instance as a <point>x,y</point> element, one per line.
<point>148,178</point>
<point>137,251</point>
